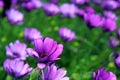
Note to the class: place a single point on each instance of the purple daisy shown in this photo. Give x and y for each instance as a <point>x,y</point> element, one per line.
<point>31,34</point>
<point>66,34</point>
<point>110,4</point>
<point>102,74</point>
<point>109,24</point>
<point>51,9</point>
<point>52,73</point>
<point>68,10</point>
<point>17,69</point>
<point>14,16</point>
<point>113,42</point>
<point>32,4</point>
<point>93,20</point>
<point>16,50</point>
<point>45,51</point>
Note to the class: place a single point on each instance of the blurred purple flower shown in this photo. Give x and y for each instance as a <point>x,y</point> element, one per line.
<point>117,60</point>
<point>80,12</point>
<point>102,74</point>
<point>14,16</point>
<point>1,4</point>
<point>66,34</point>
<point>17,69</point>
<point>31,34</point>
<point>92,20</point>
<point>51,9</point>
<point>16,50</point>
<point>110,14</point>
<point>80,2</point>
<point>32,4</point>
<point>14,4</point>
<point>98,2</point>
<point>118,32</point>
<point>46,51</point>
<point>68,10</point>
<point>52,73</point>
<point>113,42</point>
<point>109,4</point>
<point>89,9</point>
<point>54,1</point>
<point>108,24</point>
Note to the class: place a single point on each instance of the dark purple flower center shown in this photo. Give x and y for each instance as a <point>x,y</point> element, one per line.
<point>43,55</point>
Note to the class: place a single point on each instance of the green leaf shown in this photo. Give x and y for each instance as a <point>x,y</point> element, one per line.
<point>35,74</point>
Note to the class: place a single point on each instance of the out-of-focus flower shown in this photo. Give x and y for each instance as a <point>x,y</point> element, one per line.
<point>66,34</point>
<point>80,12</point>
<point>14,16</point>
<point>52,73</point>
<point>102,74</point>
<point>92,20</point>
<point>113,42</point>
<point>1,4</point>
<point>17,69</point>
<point>98,2</point>
<point>32,4</point>
<point>31,34</point>
<point>89,9</point>
<point>14,4</point>
<point>117,60</point>
<point>51,9</point>
<point>108,24</point>
<point>16,50</point>
<point>46,51</point>
<point>80,2</point>
<point>109,4</point>
<point>118,32</point>
<point>109,14</point>
<point>54,1</point>
<point>68,10</point>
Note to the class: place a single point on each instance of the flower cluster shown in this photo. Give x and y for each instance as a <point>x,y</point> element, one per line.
<point>92,18</point>
<point>46,51</point>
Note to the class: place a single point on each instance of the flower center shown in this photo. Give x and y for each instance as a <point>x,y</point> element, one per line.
<point>43,55</point>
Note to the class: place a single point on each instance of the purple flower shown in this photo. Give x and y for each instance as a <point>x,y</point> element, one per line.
<point>54,1</point>
<point>117,59</point>
<point>32,4</point>
<point>17,69</point>
<point>98,2</point>
<point>109,14</point>
<point>92,20</point>
<point>118,32</point>
<point>113,42</point>
<point>68,10</point>
<point>51,9</point>
<point>14,16</point>
<point>80,12</point>
<point>102,74</point>
<point>31,34</point>
<point>52,73</point>
<point>14,3</point>
<point>1,4</point>
<point>108,24</point>
<point>45,51</point>
<point>16,50</point>
<point>110,4</point>
<point>78,2</point>
<point>66,34</point>
<point>89,9</point>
